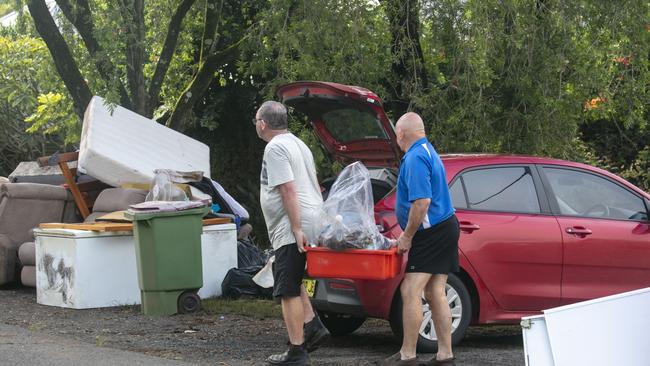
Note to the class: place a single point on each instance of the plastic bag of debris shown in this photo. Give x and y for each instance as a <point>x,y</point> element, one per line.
<point>164,189</point>
<point>348,220</point>
<point>239,283</point>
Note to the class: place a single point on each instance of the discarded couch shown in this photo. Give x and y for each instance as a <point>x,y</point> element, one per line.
<point>24,206</point>
<point>109,200</point>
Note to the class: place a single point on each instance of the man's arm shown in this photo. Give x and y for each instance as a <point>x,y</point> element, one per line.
<point>419,209</point>
<point>292,207</point>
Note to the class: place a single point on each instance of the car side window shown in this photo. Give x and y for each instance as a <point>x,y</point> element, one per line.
<point>508,189</point>
<point>458,194</point>
<point>588,195</point>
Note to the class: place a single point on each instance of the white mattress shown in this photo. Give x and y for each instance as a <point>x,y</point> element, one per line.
<point>125,147</point>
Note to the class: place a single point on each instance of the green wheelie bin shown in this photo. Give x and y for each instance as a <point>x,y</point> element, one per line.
<point>168,255</point>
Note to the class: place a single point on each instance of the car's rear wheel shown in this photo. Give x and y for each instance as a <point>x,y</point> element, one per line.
<point>340,324</point>
<point>461,310</point>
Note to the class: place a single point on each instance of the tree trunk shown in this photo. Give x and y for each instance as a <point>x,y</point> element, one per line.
<point>407,67</point>
<point>81,17</point>
<point>194,92</point>
<point>63,60</point>
<point>209,61</point>
<point>133,15</point>
<point>173,30</point>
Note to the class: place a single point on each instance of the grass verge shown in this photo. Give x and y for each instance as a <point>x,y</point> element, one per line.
<point>248,307</point>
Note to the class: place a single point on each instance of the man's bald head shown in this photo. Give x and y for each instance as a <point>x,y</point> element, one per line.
<point>410,128</point>
<point>411,122</point>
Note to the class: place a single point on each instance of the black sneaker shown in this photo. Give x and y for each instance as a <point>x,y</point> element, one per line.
<point>315,334</point>
<point>295,355</point>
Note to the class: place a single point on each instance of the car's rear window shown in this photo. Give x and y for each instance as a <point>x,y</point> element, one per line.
<point>351,124</point>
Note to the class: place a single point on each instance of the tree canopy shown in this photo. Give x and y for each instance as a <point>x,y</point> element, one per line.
<point>545,77</point>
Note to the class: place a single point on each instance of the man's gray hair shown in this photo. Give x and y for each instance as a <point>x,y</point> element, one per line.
<point>274,114</point>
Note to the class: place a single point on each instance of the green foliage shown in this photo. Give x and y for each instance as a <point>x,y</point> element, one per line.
<point>500,78</point>
<point>5,8</point>
<point>639,170</point>
<point>112,31</point>
<point>27,76</point>
<point>615,123</point>
<point>504,76</point>
<point>542,77</point>
<point>53,116</point>
<point>343,41</point>
<point>299,126</point>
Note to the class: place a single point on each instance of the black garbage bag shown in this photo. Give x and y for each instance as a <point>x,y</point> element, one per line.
<point>248,254</point>
<point>239,282</point>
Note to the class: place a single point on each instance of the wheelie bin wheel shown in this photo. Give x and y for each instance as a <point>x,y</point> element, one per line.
<point>189,302</point>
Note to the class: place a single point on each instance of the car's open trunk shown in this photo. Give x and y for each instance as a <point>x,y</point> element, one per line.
<point>383,181</point>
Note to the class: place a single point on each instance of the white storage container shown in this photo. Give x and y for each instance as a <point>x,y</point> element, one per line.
<point>612,330</point>
<point>124,147</point>
<point>83,269</point>
<point>219,251</point>
<point>536,345</point>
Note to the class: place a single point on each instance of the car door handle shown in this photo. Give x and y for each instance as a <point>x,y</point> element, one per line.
<point>468,227</point>
<point>578,231</point>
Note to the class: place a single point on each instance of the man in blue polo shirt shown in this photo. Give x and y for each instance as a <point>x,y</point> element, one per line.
<point>430,238</point>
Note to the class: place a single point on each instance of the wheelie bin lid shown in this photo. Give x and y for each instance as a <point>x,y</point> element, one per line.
<point>140,216</point>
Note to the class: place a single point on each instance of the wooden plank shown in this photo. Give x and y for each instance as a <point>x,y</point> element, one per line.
<point>58,158</point>
<point>216,221</point>
<point>76,194</point>
<point>68,174</point>
<point>84,204</point>
<point>104,226</point>
<point>115,226</point>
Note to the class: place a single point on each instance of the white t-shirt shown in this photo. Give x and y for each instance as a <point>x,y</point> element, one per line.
<point>286,159</point>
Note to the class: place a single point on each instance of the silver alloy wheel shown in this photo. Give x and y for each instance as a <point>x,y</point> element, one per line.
<point>427,330</point>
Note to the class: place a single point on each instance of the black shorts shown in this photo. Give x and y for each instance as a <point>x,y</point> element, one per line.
<point>435,250</point>
<point>288,271</point>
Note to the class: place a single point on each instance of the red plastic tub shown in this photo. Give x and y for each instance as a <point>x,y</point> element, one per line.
<point>361,264</point>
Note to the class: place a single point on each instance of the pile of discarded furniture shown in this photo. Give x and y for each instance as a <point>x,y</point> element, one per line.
<point>61,227</point>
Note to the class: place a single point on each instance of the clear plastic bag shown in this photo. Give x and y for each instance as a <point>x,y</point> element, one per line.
<point>163,188</point>
<point>348,220</point>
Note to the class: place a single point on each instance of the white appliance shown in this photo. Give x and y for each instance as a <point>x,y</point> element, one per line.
<point>84,269</point>
<point>611,330</point>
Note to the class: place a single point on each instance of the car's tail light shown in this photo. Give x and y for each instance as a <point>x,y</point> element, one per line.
<point>342,285</point>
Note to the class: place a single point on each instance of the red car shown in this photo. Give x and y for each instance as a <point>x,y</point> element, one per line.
<point>535,232</point>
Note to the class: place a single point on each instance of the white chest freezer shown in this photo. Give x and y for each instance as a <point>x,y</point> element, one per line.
<point>83,269</point>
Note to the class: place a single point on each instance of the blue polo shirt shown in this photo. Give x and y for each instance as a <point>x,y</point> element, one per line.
<point>422,175</point>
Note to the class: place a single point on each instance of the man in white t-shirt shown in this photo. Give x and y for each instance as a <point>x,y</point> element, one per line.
<point>291,201</point>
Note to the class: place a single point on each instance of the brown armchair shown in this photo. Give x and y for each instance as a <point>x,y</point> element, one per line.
<point>24,206</point>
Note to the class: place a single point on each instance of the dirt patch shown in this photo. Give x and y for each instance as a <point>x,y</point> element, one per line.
<point>229,339</point>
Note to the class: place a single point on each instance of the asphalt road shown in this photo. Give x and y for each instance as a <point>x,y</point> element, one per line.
<point>19,346</point>
<point>32,334</point>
